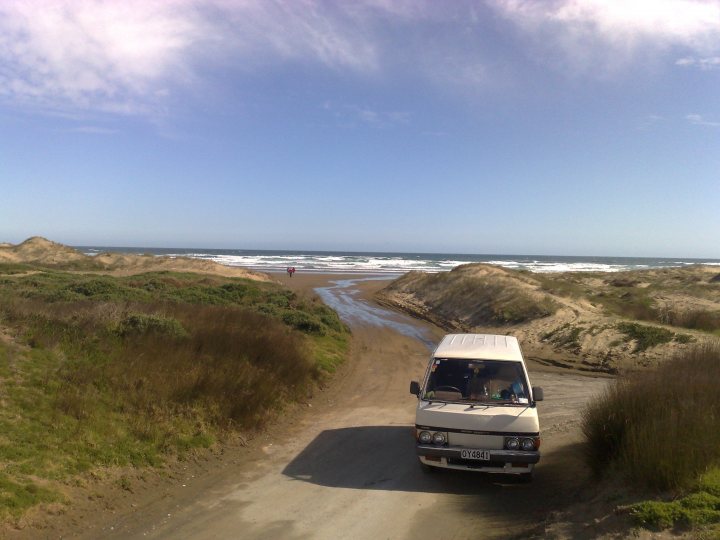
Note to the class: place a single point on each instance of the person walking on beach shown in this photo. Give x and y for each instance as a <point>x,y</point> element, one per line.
<point>291,271</point>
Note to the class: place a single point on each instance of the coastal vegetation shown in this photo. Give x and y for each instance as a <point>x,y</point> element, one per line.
<point>470,296</point>
<point>131,362</point>
<point>111,371</point>
<point>657,431</point>
<point>590,321</point>
<point>680,297</point>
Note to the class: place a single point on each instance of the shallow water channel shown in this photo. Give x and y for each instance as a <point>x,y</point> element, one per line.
<point>344,297</point>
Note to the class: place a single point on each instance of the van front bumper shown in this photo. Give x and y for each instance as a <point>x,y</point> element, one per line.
<point>453,453</point>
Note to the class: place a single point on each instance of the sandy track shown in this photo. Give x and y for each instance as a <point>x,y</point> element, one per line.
<point>345,466</point>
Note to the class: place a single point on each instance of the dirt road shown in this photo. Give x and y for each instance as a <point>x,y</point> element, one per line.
<point>345,466</point>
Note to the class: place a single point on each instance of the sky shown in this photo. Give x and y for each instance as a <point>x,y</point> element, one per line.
<point>558,127</point>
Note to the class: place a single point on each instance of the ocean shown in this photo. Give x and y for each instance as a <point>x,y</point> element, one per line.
<point>338,262</point>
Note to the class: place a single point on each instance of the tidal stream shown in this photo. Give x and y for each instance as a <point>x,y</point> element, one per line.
<point>344,297</point>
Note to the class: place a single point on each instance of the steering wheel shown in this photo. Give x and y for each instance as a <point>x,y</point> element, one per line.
<point>448,388</point>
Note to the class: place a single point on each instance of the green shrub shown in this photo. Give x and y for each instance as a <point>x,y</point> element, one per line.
<point>645,336</point>
<point>103,288</point>
<point>683,338</point>
<point>710,482</point>
<point>140,323</point>
<point>701,506</point>
<point>565,336</point>
<point>330,319</point>
<point>304,322</point>
<point>655,514</point>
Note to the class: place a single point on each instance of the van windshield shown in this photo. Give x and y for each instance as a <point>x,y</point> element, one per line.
<point>485,381</point>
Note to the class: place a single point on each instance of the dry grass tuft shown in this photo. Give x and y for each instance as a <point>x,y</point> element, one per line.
<point>659,428</point>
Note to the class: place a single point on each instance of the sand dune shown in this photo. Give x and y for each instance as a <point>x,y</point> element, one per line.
<point>576,320</point>
<point>41,252</point>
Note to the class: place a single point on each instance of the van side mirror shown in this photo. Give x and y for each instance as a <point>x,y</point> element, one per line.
<point>415,388</point>
<point>538,394</point>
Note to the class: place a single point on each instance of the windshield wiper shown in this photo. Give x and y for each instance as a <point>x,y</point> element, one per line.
<point>498,403</point>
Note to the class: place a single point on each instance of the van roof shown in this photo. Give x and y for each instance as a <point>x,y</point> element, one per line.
<point>479,346</point>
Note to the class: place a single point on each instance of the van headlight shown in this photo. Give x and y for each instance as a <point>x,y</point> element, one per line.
<point>438,438</point>
<point>527,444</point>
<point>425,437</point>
<point>512,443</point>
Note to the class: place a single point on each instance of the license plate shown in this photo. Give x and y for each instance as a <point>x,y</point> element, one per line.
<point>482,455</point>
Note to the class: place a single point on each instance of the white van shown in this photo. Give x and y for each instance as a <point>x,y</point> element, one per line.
<point>476,410</point>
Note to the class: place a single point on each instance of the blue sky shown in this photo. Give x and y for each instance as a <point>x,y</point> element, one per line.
<point>563,127</point>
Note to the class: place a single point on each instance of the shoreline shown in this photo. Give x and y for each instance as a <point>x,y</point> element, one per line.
<point>396,263</point>
<point>307,282</point>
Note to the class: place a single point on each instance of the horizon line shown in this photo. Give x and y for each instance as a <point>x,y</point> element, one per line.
<point>372,252</point>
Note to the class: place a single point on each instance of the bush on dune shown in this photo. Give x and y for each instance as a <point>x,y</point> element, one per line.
<point>140,324</point>
<point>128,370</point>
<point>659,428</point>
<point>237,365</point>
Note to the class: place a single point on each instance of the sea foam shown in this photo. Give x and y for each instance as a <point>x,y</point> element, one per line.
<point>400,263</point>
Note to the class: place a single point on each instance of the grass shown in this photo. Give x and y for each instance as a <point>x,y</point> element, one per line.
<point>700,507</point>
<point>14,268</point>
<point>659,429</point>
<point>126,371</point>
<point>478,295</point>
<point>16,497</point>
<point>695,319</point>
<point>627,296</point>
<point>624,298</point>
<point>567,285</point>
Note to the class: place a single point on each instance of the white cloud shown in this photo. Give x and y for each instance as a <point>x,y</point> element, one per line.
<point>135,57</point>
<point>350,115</point>
<point>698,120</point>
<point>91,55</point>
<point>705,64</point>
<point>611,34</point>
<point>92,130</point>
<point>123,57</point>
<point>259,30</point>
<point>650,121</point>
